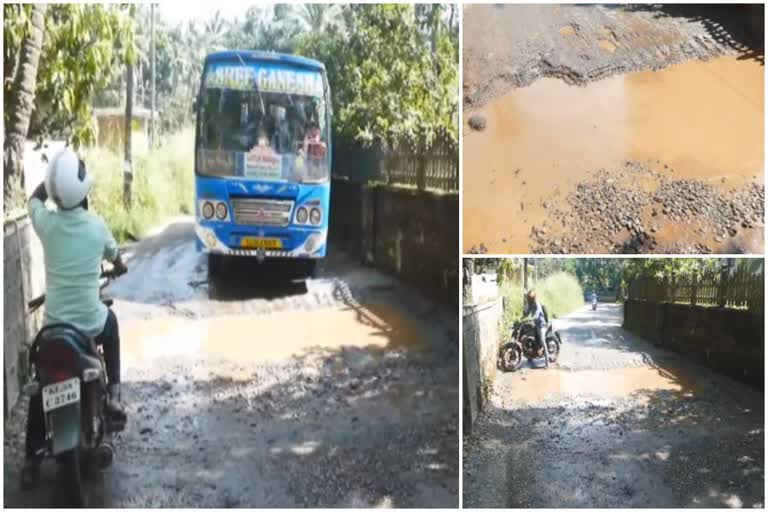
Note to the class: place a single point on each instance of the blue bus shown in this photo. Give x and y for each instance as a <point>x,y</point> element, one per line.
<point>262,158</point>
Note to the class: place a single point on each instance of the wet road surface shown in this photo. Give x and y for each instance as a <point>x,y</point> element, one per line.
<point>574,94</point>
<point>616,423</point>
<point>252,392</point>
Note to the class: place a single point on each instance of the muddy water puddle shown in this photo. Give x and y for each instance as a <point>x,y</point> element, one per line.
<point>270,337</point>
<point>698,121</point>
<point>535,386</point>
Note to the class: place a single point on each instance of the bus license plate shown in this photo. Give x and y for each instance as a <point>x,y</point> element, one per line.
<point>60,394</point>
<point>250,242</point>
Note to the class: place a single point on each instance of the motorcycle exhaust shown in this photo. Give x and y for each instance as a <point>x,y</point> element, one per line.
<point>31,388</point>
<point>105,454</point>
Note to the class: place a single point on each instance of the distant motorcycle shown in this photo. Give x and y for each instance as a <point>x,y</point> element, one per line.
<point>69,369</point>
<point>524,343</point>
<point>594,304</point>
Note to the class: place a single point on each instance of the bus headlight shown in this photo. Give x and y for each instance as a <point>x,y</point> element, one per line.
<point>310,244</point>
<point>302,215</point>
<point>315,216</point>
<point>221,211</point>
<point>208,210</point>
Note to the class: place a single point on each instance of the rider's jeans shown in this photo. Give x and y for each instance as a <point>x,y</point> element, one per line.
<point>543,337</point>
<point>109,339</point>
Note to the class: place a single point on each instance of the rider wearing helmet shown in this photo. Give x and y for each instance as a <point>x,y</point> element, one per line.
<point>75,242</point>
<point>534,310</point>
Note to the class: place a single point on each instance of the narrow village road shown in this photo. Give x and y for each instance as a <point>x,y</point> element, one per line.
<point>341,391</point>
<point>617,423</point>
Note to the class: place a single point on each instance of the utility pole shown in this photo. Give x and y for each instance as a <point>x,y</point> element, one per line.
<point>468,267</point>
<point>152,129</point>
<point>128,159</point>
<point>525,280</point>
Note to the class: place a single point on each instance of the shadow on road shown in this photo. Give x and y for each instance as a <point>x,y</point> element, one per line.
<point>739,27</point>
<point>354,427</point>
<point>247,278</point>
<point>653,449</point>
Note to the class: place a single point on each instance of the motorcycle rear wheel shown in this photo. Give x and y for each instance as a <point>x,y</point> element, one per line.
<point>511,358</point>
<point>70,489</point>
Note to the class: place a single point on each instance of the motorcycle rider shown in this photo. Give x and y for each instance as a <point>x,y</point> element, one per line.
<point>535,311</point>
<point>75,242</point>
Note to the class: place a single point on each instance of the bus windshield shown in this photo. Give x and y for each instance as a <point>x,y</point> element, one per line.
<point>258,123</point>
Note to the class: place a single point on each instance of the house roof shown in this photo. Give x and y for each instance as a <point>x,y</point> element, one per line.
<point>143,113</point>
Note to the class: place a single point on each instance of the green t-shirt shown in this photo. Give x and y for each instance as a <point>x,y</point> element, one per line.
<point>75,243</point>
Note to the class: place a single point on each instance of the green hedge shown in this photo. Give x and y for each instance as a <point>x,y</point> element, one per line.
<point>163,185</point>
<point>560,293</point>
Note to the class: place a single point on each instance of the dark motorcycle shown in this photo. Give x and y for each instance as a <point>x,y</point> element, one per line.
<point>524,342</point>
<point>69,370</point>
<point>594,304</point>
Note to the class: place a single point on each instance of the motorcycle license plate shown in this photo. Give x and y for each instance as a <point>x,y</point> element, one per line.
<point>250,242</point>
<point>61,393</point>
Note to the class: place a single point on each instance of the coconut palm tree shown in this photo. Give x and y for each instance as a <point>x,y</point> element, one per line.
<point>22,101</point>
<point>214,31</point>
<point>316,17</point>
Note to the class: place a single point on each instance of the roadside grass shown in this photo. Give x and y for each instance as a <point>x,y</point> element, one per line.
<point>163,186</point>
<point>560,293</point>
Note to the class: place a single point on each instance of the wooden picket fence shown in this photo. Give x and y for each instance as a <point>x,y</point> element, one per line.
<point>738,287</point>
<point>424,164</point>
<point>418,162</point>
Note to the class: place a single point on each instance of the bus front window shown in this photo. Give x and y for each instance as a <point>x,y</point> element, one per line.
<point>291,126</point>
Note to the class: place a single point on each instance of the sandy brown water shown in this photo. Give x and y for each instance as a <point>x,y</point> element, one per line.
<point>540,385</point>
<point>698,120</point>
<point>270,337</point>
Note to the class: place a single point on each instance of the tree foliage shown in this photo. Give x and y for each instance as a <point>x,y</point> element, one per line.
<point>84,45</point>
<point>393,69</point>
<point>603,274</point>
<point>385,78</point>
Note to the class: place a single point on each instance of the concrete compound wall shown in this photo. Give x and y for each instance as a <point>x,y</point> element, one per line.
<point>727,340</point>
<point>480,348</point>
<point>485,287</point>
<point>24,275</point>
<point>408,233</point>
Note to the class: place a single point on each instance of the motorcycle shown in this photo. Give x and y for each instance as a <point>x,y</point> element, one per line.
<point>69,370</point>
<point>594,304</point>
<point>524,343</point>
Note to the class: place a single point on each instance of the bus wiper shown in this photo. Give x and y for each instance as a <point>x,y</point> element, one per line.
<point>255,85</point>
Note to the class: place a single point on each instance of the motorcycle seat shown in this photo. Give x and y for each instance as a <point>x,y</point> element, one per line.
<point>70,334</point>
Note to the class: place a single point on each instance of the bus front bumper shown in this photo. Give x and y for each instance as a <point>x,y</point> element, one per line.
<point>313,246</point>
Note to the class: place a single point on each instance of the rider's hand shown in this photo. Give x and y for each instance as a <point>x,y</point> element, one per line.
<point>119,267</point>
<point>40,192</point>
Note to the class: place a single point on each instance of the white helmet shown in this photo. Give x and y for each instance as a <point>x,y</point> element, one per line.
<point>67,181</point>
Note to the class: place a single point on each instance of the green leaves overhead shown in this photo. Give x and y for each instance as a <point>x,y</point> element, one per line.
<point>611,273</point>
<point>83,46</point>
<point>385,79</point>
<point>392,68</point>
